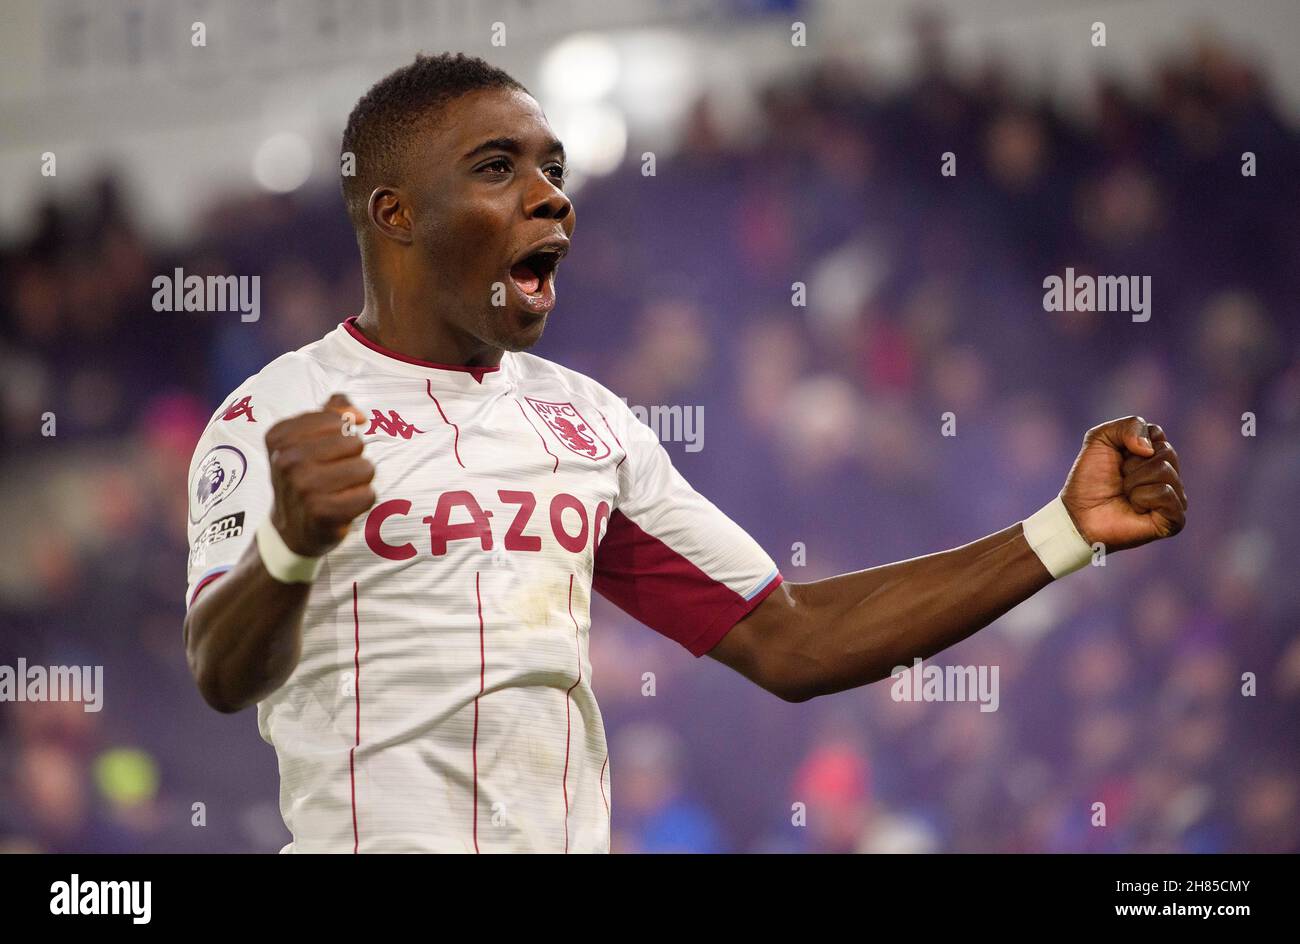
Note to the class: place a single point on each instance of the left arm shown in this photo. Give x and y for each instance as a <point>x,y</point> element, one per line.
<point>829,635</point>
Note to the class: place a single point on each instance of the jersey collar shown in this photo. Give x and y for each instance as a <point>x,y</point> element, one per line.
<point>392,360</point>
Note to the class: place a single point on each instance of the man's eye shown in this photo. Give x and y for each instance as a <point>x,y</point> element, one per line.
<point>500,166</point>
<point>556,172</point>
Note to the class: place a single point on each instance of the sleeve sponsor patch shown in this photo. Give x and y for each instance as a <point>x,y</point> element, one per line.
<point>231,526</point>
<point>218,474</point>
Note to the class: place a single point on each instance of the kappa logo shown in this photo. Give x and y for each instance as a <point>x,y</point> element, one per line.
<point>393,425</point>
<point>571,428</point>
<point>240,408</point>
<point>218,474</point>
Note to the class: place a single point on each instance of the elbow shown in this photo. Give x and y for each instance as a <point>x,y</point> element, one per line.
<point>797,688</point>
<point>206,678</point>
<point>799,675</point>
<point>213,692</point>
<point>794,694</point>
<point>780,647</point>
<point>216,701</point>
<point>791,678</point>
<point>785,666</point>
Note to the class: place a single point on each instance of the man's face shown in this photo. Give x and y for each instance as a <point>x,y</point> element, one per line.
<point>490,222</point>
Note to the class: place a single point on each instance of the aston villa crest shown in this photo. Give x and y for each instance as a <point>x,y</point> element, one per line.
<point>571,428</point>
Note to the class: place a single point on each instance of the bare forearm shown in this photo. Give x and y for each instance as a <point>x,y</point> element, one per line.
<point>846,631</point>
<point>243,636</point>
<point>1124,490</point>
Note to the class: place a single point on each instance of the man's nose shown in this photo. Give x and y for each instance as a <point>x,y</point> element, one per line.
<point>547,201</point>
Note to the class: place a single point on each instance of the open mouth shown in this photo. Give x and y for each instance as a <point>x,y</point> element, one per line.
<point>533,273</point>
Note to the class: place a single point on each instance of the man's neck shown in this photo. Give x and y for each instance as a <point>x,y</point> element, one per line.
<point>423,339</point>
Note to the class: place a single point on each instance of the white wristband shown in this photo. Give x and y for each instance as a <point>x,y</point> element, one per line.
<point>1050,531</point>
<point>280,561</point>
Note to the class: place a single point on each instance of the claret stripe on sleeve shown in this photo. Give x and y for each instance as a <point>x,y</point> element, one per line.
<point>650,581</point>
<point>206,579</point>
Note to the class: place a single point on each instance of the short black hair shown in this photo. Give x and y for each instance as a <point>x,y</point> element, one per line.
<point>382,122</point>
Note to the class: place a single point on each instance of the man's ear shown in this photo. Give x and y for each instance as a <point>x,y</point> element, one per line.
<point>389,212</point>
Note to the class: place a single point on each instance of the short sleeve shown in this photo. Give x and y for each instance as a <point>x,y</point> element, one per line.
<point>229,489</point>
<point>670,558</point>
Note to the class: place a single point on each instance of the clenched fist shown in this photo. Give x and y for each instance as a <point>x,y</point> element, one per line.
<point>1125,488</point>
<point>321,480</point>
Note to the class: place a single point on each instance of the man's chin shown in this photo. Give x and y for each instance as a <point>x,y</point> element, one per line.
<point>521,331</point>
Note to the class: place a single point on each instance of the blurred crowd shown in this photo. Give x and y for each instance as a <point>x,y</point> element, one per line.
<point>1164,686</point>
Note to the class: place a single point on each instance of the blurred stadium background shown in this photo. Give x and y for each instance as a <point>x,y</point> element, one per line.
<point>774,164</point>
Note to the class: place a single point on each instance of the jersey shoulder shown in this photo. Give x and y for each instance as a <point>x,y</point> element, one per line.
<point>538,372</point>
<point>232,447</point>
<point>295,382</point>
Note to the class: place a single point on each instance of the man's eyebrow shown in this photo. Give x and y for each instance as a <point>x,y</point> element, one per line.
<point>514,146</point>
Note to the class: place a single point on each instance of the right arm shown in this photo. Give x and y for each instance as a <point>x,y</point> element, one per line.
<point>243,635</point>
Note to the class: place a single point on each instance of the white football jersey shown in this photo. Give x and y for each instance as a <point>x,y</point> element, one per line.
<point>443,701</point>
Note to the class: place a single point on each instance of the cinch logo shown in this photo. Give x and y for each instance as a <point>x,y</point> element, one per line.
<point>393,425</point>
<point>572,527</point>
<point>102,898</point>
<point>231,526</point>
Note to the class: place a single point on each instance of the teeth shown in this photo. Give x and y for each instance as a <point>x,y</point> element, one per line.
<point>535,271</point>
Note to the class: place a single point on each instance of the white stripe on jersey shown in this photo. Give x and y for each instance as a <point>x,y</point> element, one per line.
<point>443,701</point>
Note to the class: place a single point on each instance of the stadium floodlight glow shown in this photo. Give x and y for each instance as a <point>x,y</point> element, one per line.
<point>583,67</point>
<point>594,136</point>
<point>282,162</point>
<point>660,78</point>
